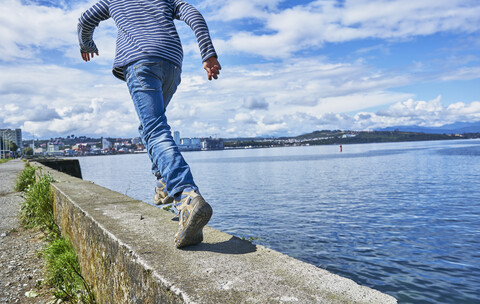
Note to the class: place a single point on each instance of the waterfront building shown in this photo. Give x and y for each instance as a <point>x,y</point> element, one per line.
<point>95,151</point>
<point>197,144</point>
<point>106,144</point>
<point>190,144</point>
<point>212,144</point>
<point>69,152</point>
<point>136,141</point>
<point>39,151</point>
<point>12,135</point>
<point>176,137</point>
<point>81,148</point>
<point>52,147</point>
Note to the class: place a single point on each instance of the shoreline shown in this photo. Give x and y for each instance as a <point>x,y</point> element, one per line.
<point>257,147</point>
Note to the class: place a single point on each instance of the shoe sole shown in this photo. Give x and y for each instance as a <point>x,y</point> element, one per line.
<point>192,233</point>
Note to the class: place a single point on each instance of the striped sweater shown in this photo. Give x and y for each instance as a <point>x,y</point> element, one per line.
<point>145,28</point>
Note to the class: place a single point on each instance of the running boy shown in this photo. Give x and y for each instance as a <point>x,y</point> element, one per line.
<point>149,58</point>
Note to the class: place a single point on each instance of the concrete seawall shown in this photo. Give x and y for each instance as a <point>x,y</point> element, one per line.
<point>69,166</point>
<point>127,254</point>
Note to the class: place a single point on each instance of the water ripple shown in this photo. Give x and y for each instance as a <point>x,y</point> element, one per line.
<point>402,218</point>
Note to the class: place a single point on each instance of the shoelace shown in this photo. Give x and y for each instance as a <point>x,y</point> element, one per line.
<point>163,186</point>
<point>183,206</point>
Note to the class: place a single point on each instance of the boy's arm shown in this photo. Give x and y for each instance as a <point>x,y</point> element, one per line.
<point>86,25</point>
<point>191,16</point>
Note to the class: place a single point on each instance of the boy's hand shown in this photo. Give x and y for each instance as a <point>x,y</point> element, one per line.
<point>212,67</point>
<point>86,56</point>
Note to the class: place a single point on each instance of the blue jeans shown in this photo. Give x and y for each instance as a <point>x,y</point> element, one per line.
<point>152,82</point>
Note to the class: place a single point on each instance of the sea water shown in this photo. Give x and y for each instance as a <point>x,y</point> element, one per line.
<point>403,218</point>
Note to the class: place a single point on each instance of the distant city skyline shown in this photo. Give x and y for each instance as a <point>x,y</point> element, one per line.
<point>176,134</point>
<point>289,68</point>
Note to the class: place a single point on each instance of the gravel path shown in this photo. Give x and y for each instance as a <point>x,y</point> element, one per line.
<point>21,268</point>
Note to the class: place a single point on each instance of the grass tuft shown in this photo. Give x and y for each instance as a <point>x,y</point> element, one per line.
<point>26,178</point>
<point>37,210</point>
<point>64,272</point>
<point>251,238</point>
<point>63,269</point>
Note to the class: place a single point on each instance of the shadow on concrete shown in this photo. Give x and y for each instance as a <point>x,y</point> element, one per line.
<point>234,245</point>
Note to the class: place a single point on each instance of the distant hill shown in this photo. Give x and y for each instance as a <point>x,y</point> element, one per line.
<point>337,137</point>
<point>455,128</point>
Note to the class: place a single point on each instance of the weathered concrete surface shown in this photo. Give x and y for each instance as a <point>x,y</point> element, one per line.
<point>127,253</point>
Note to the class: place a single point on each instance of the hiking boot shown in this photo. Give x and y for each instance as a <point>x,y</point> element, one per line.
<point>161,196</point>
<point>195,213</point>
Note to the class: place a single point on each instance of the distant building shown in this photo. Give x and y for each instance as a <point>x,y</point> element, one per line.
<point>106,144</point>
<point>176,137</point>
<point>197,144</point>
<point>12,135</point>
<point>69,152</point>
<point>190,144</point>
<point>51,148</point>
<point>95,151</point>
<point>136,141</point>
<point>81,148</point>
<point>212,144</point>
<point>39,151</point>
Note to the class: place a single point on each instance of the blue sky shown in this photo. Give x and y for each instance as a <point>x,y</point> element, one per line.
<point>289,67</point>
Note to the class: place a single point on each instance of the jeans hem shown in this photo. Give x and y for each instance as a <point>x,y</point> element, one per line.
<point>180,189</point>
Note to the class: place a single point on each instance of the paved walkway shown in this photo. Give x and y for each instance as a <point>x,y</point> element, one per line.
<point>9,200</point>
<point>21,269</point>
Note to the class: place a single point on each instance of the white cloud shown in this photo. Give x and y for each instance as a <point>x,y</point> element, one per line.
<point>49,99</point>
<point>387,19</point>
<point>14,115</point>
<point>239,9</point>
<point>293,95</point>
<point>409,112</point>
<point>36,32</point>
<point>253,103</point>
<point>239,99</point>
<point>412,108</point>
<point>50,96</point>
<point>463,73</point>
<point>311,25</point>
<point>430,113</point>
<point>461,108</point>
<point>244,118</point>
<point>24,28</point>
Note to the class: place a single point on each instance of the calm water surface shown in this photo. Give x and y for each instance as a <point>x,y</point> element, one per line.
<point>403,218</point>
